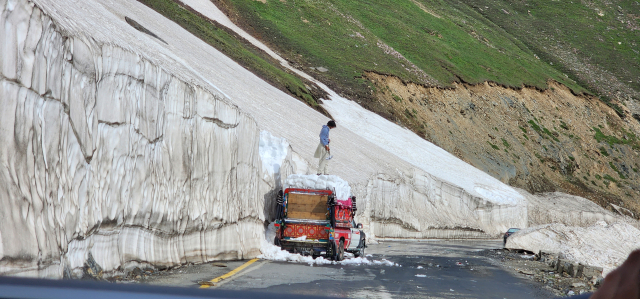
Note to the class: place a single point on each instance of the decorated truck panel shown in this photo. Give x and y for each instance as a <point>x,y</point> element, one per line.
<point>313,222</point>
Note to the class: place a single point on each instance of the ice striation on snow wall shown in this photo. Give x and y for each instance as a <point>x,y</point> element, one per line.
<point>421,205</point>
<point>570,210</point>
<point>104,151</point>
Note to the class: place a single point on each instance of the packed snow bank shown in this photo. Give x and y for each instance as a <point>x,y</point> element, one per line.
<point>567,209</point>
<point>603,245</point>
<point>112,145</point>
<point>312,181</point>
<point>275,253</point>
<point>578,229</point>
<point>273,151</point>
<point>420,205</point>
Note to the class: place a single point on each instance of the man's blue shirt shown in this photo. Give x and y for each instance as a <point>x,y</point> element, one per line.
<point>324,135</point>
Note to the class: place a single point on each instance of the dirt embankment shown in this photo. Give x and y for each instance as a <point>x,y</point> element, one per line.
<point>540,141</point>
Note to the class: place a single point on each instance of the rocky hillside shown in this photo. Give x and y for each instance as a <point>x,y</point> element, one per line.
<point>541,95</point>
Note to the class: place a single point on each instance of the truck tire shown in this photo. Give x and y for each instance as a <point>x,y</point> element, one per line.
<point>340,255</point>
<point>276,241</point>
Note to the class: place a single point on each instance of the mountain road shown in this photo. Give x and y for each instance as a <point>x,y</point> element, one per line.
<point>393,269</point>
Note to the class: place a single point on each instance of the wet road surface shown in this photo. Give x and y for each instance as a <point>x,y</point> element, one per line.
<point>428,269</point>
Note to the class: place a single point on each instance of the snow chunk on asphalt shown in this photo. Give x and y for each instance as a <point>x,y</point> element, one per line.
<point>275,253</point>
<point>312,181</point>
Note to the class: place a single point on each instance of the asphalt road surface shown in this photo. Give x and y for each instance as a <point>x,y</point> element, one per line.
<point>429,269</point>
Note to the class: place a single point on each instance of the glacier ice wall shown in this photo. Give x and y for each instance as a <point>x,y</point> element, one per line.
<point>105,151</point>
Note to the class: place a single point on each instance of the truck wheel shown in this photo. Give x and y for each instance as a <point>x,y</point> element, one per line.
<point>340,255</point>
<point>276,241</point>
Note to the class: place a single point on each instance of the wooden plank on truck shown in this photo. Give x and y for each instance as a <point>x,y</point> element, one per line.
<point>307,206</point>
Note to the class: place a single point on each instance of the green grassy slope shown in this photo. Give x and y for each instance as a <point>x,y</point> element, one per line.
<point>604,34</point>
<point>448,43</point>
<point>589,46</point>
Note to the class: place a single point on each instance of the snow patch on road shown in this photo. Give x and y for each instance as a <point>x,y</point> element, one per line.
<point>275,253</point>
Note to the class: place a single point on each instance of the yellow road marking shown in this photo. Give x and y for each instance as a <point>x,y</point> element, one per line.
<point>231,273</point>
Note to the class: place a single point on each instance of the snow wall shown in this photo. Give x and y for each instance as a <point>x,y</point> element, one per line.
<point>104,151</point>
<point>420,205</point>
<point>452,199</point>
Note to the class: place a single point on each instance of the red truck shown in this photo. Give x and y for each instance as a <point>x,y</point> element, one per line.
<point>314,222</point>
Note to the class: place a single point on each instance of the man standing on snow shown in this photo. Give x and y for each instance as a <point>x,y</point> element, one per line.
<point>322,151</point>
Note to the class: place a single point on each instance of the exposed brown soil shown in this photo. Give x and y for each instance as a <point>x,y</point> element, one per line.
<point>537,140</point>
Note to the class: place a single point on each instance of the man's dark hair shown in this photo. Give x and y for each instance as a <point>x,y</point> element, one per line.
<point>331,124</point>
